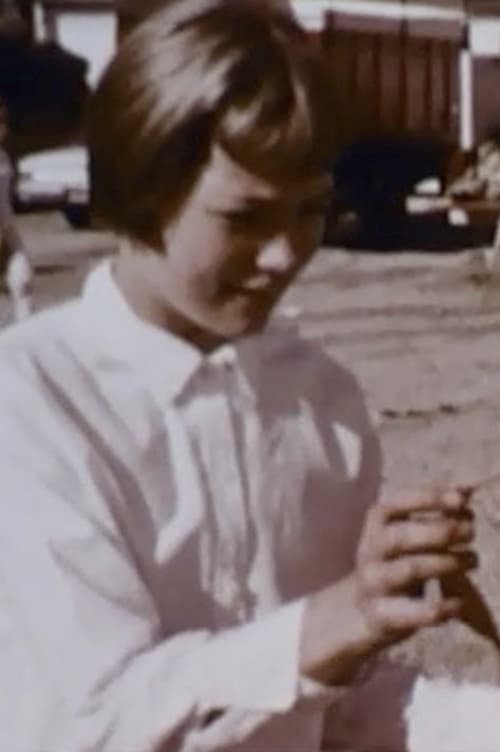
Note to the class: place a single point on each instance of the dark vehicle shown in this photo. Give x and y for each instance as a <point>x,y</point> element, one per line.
<point>44,91</point>
<point>374,175</point>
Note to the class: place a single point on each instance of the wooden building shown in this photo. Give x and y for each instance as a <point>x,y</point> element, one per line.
<point>423,66</point>
<point>395,65</point>
<point>428,66</point>
<point>484,45</point>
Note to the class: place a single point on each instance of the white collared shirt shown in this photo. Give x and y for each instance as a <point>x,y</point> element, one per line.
<point>164,516</point>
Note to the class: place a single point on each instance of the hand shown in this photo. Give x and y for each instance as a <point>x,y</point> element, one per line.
<point>404,543</point>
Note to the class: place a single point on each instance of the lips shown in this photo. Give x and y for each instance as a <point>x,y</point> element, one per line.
<point>258,288</point>
<point>264,294</point>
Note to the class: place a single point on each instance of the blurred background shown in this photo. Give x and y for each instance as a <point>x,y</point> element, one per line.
<point>418,92</point>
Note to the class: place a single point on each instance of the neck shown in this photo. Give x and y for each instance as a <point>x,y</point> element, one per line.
<point>156,312</point>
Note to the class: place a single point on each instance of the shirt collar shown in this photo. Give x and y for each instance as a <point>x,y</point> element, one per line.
<point>165,362</point>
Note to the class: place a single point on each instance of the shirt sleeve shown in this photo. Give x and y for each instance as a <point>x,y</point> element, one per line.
<point>83,656</point>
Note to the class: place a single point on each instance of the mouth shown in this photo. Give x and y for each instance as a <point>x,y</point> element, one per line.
<point>261,290</point>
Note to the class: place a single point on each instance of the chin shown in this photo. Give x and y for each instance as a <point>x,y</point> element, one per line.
<point>255,324</point>
<point>243,328</point>
<point>239,321</point>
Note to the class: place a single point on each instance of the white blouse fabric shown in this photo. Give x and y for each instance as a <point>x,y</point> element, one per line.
<point>163,517</point>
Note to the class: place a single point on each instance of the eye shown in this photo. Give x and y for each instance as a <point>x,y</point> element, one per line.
<point>243,218</point>
<point>314,208</point>
<point>247,221</point>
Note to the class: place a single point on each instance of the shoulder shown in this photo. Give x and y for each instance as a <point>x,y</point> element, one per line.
<point>32,442</point>
<point>32,347</point>
<point>297,370</point>
<point>303,362</point>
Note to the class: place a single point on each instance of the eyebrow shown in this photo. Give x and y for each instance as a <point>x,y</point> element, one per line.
<point>258,202</point>
<point>325,194</point>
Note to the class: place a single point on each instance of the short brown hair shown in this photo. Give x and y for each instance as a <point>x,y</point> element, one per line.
<point>234,72</point>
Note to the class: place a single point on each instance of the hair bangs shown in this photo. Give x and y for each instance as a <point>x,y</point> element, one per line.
<point>197,73</point>
<point>283,125</point>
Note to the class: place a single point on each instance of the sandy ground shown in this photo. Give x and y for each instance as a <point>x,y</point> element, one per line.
<point>422,332</point>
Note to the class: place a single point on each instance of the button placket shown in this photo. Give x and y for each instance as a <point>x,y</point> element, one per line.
<point>211,426</point>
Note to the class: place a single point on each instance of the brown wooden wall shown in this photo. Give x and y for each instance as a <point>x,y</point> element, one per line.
<point>486,97</point>
<point>392,75</point>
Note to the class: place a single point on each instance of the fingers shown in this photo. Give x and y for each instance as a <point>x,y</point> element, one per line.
<point>451,501</point>
<point>405,615</point>
<point>402,574</point>
<point>435,534</point>
<point>406,543</point>
<point>382,540</point>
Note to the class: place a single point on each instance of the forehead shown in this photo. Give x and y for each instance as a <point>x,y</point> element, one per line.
<point>227,181</point>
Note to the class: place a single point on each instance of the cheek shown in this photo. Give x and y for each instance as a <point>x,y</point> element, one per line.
<point>200,271</point>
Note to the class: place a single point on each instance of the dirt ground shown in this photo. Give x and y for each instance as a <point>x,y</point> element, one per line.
<point>422,332</point>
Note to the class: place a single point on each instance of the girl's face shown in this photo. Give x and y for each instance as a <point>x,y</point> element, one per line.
<point>233,249</point>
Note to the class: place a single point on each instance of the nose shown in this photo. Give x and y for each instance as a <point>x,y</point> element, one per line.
<point>277,255</point>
